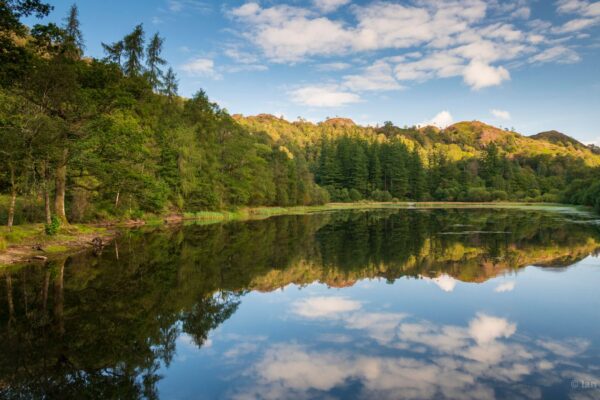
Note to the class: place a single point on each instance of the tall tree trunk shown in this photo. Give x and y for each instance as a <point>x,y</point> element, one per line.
<point>13,198</point>
<point>9,297</point>
<point>48,211</point>
<point>45,287</point>
<point>61,186</point>
<point>59,296</point>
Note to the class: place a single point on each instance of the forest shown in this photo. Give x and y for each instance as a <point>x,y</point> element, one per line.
<point>85,139</point>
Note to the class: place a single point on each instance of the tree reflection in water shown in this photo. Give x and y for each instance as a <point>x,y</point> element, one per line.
<point>87,327</point>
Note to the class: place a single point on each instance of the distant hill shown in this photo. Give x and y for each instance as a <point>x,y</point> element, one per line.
<point>558,138</point>
<point>460,140</point>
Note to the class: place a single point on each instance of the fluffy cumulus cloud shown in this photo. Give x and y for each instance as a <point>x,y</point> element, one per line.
<point>323,96</point>
<point>475,40</point>
<point>505,287</point>
<point>324,306</point>
<point>377,77</point>
<point>478,75</point>
<point>444,281</point>
<point>201,67</point>
<point>441,120</point>
<point>500,114</point>
<point>396,356</point>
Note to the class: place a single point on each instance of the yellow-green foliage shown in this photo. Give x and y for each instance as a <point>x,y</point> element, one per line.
<point>461,140</point>
<point>56,249</point>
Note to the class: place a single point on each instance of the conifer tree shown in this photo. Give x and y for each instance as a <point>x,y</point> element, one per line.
<point>114,52</point>
<point>133,47</point>
<point>154,60</point>
<point>170,84</point>
<point>74,43</point>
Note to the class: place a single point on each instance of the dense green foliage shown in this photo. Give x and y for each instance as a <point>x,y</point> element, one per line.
<point>112,138</point>
<point>87,139</point>
<point>353,168</point>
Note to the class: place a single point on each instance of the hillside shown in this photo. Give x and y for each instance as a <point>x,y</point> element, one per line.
<point>558,138</point>
<point>460,140</point>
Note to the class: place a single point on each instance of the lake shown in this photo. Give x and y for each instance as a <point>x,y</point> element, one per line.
<point>395,303</point>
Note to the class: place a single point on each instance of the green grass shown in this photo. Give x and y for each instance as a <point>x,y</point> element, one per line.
<point>56,248</point>
<point>34,233</point>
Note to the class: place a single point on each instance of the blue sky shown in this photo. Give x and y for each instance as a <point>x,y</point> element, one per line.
<point>529,64</point>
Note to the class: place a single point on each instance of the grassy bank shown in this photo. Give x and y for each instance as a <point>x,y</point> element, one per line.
<point>23,242</point>
<point>26,241</point>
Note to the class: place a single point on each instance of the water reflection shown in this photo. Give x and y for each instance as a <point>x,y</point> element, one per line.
<point>421,359</point>
<point>127,324</point>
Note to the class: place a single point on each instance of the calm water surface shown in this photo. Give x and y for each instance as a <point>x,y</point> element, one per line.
<point>394,304</point>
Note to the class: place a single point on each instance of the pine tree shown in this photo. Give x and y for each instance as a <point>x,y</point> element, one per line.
<point>491,164</point>
<point>374,167</point>
<point>170,85</point>
<point>114,52</point>
<point>416,176</point>
<point>133,46</point>
<point>358,168</point>
<point>154,61</point>
<point>73,37</point>
<point>396,169</point>
<point>328,173</point>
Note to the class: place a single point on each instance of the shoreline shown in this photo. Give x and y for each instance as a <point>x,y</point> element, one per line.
<point>28,243</point>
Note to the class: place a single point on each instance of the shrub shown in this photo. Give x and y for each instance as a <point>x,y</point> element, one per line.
<point>499,195</point>
<point>355,195</point>
<point>381,195</point>
<point>53,227</point>
<point>478,194</point>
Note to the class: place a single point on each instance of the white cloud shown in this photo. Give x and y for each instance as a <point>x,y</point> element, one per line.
<point>581,7</point>
<point>485,329</point>
<point>566,348</point>
<point>241,56</point>
<point>204,67</point>
<point>455,38</point>
<point>441,120</point>
<point>323,96</point>
<point>329,5</point>
<point>558,54</point>
<point>316,307</point>
<point>377,77</point>
<point>479,75</point>
<point>587,14</point>
<point>444,281</point>
<point>434,360</point>
<point>577,25</point>
<point>500,114</point>
<point>336,66</point>
<point>505,287</point>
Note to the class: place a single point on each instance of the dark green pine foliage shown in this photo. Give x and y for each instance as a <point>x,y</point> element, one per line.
<point>74,43</point>
<point>133,49</point>
<point>170,84</point>
<point>375,174</point>
<point>417,179</point>
<point>154,62</point>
